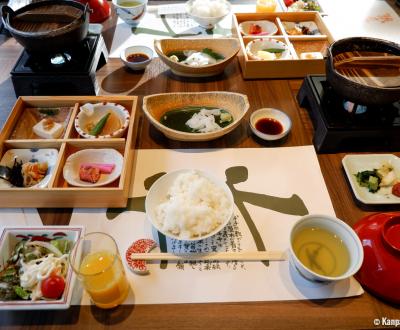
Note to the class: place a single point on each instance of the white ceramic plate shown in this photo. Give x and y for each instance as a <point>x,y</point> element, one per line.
<point>353,164</point>
<point>11,236</point>
<point>296,28</point>
<point>268,28</point>
<point>40,155</point>
<point>92,113</point>
<point>255,45</point>
<point>158,194</point>
<point>73,162</point>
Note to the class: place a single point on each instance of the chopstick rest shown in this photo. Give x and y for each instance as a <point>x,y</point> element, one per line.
<point>139,247</point>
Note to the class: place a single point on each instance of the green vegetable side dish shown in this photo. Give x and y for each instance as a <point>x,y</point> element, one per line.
<point>369,179</point>
<point>274,50</point>
<point>177,118</point>
<point>96,130</point>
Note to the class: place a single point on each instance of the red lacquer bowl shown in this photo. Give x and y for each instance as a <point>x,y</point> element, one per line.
<point>380,237</point>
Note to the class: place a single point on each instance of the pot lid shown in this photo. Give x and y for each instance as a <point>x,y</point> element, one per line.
<point>380,237</point>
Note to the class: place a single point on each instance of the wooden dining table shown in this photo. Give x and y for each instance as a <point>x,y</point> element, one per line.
<point>344,313</point>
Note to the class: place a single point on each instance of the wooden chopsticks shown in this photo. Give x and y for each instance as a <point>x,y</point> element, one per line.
<point>370,60</point>
<point>214,256</point>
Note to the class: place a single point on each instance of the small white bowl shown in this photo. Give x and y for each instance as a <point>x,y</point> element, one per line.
<point>267,43</point>
<point>74,161</point>
<point>337,227</point>
<point>278,115</point>
<point>136,50</point>
<point>94,112</point>
<point>130,14</point>
<point>268,28</point>
<point>158,194</point>
<point>207,22</point>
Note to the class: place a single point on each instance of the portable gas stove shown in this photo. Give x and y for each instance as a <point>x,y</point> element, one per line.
<point>70,72</point>
<point>341,125</point>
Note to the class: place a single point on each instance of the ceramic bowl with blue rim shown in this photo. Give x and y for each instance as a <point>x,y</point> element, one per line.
<point>33,155</point>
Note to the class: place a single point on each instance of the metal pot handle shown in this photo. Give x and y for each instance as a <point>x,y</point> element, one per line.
<point>6,11</point>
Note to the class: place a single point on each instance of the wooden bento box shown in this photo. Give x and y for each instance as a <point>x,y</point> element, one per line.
<point>297,44</point>
<point>58,193</point>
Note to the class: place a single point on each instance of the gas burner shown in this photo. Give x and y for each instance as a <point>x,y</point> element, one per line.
<point>341,125</point>
<point>70,72</point>
<point>60,59</point>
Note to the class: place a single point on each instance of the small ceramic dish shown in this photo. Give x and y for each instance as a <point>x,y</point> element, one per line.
<point>266,28</point>
<point>144,53</point>
<point>159,192</point>
<point>227,47</point>
<point>301,28</point>
<point>130,14</point>
<point>12,235</point>
<point>324,256</point>
<point>258,49</point>
<point>91,114</point>
<point>353,164</point>
<point>99,156</point>
<point>195,8</point>
<point>31,155</point>
<point>155,106</point>
<point>380,271</point>
<point>270,124</point>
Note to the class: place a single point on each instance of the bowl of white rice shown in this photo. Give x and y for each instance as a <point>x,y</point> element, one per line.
<point>189,205</point>
<point>208,12</point>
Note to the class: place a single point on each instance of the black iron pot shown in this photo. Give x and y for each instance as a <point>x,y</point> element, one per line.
<point>34,35</point>
<point>357,92</point>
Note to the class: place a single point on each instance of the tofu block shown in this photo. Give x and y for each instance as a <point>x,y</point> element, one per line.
<point>48,129</point>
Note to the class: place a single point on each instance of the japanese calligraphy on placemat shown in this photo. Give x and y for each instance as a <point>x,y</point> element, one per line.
<point>291,177</point>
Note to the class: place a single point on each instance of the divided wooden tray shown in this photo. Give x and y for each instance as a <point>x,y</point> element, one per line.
<point>288,68</point>
<point>59,193</point>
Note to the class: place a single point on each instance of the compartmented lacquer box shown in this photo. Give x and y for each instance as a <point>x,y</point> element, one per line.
<point>303,33</point>
<point>19,139</point>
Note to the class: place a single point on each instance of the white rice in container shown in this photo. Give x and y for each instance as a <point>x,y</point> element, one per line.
<point>195,206</point>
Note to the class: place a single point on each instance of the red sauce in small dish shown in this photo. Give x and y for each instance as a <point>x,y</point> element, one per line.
<point>137,57</point>
<point>269,126</point>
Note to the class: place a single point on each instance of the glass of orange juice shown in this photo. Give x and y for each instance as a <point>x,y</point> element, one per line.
<point>99,267</point>
<point>265,6</point>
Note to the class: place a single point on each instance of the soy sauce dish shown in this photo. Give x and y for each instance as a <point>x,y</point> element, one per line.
<point>270,124</point>
<point>137,57</point>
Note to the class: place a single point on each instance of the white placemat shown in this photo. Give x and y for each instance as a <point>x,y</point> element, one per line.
<point>261,174</point>
<point>367,18</point>
<point>19,218</point>
<point>179,25</point>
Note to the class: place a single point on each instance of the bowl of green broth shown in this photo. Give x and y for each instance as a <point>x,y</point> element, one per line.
<point>130,11</point>
<point>324,248</point>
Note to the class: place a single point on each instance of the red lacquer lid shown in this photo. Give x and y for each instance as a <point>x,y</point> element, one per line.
<point>380,237</point>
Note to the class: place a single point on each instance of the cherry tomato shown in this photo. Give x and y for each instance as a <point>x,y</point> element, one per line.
<point>288,3</point>
<point>396,189</point>
<point>53,287</point>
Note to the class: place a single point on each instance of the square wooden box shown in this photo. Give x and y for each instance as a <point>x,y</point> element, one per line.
<point>288,68</point>
<point>59,193</point>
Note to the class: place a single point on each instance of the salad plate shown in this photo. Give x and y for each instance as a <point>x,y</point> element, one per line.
<point>31,155</point>
<point>73,163</point>
<point>53,235</point>
<point>353,164</point>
